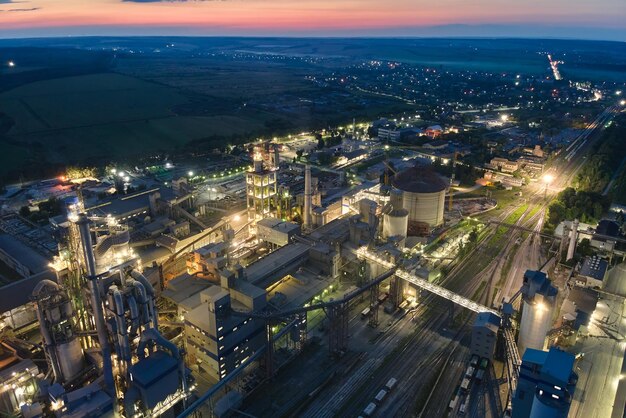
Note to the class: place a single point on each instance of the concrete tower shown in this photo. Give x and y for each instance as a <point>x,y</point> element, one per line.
<point>306,210</point>
<point>261,187</point>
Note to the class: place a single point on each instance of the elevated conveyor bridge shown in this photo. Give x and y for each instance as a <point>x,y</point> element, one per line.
<point>364,253</point>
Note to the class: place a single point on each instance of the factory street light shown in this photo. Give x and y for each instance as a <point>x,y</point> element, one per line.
<point>547,179</point>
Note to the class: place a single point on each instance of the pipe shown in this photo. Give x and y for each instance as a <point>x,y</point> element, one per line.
<point>143,301</point>
<point>117,347</point>
<point>122,333</point>
<point>134,314</point>
<point>96,302</point>
<point>150,292</point>
<point>45,332</point>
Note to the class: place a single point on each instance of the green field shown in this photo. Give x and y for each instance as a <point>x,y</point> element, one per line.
<point>103,116</point>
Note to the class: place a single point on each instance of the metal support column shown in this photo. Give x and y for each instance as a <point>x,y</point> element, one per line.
<point>374,292</point>
<point>395,291</point>
<point>302,327</point>
<point>338,329</point>
<point>268,360</point>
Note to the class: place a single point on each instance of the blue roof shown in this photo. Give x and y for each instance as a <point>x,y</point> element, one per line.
<point>534,356</point>
<point>555,363</point>
<point>559,364</point>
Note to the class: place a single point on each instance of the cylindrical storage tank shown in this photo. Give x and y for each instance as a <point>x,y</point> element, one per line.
<point>536,322</point>
<point>545,406</point>
<point>423,195</point>
<point>395,224</point>
<point>70,356</point>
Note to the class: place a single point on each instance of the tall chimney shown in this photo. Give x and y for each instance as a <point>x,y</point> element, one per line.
<point>306,216</point>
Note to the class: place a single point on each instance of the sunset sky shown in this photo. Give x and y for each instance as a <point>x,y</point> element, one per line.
<point>592,19</point>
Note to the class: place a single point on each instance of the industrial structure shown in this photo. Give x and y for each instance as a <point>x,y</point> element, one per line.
<point>424,194</point>
<point>99,325</point>
<point>261,189</point>
<point>546,386</point>
<point>155,295</point>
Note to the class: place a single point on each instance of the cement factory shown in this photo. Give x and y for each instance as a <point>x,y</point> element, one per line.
<point>160,303</point>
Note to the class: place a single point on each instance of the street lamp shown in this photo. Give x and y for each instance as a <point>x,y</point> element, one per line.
<point>547,179</point>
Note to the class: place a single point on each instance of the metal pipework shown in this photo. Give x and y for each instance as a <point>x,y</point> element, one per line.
<point>122,331</point>
<point>96,301</point>
<point>150,295</point>
<point>45,332</point>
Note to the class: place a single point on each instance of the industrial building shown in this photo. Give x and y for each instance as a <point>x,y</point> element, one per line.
<point>99,327</point>
<point>546,385</point>
<point>261,190</point>
<point>485,334</point>
<point>423,193</point>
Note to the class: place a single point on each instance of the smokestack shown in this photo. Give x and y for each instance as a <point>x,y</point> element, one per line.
<point>96,301</point>
<point>572,240</point>
<point>306,216</point>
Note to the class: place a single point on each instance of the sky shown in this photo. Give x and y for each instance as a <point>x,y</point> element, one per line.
<point>579,19</point>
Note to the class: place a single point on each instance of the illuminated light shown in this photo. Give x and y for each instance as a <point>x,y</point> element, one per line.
<point>11,64</point>
<point>622,102</point>
<point>190,173</point>
<point>548,178</point>
<point>236,218</point>
<point>504,118</point>
<point>540,306</point>
<point>113,171</point>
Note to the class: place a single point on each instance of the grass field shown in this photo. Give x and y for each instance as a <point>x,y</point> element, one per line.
<point>104,116</point>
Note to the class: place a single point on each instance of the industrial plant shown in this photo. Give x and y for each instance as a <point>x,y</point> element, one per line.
<point>195,294</point>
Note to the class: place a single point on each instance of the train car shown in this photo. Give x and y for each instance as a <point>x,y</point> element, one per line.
<point>453,402</point>
<point>391,383</point>
<point>369,409</point>
<point>380,396</point>
<point>465,384</point>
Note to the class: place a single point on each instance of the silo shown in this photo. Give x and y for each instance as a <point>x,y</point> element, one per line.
<point>424,194</point>
<point>539,300</point>
<point>395,222</point>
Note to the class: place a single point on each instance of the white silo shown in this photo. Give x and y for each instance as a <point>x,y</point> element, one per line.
<point>396,220</point>
<point>539,300</point>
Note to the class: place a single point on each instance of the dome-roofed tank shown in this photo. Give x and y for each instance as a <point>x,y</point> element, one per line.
<point>424,193</point>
